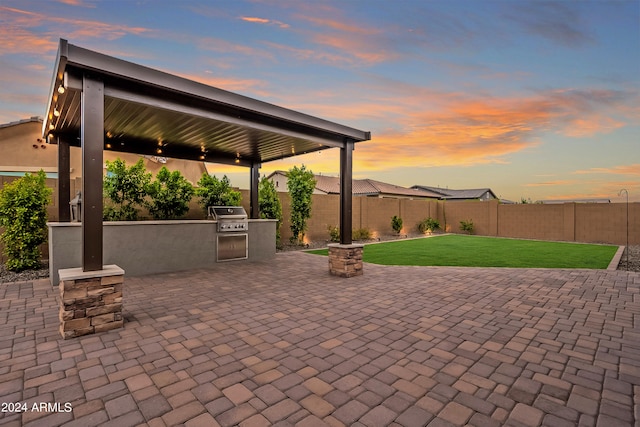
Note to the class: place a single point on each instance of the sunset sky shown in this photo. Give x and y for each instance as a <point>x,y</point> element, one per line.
<point>533,99</point>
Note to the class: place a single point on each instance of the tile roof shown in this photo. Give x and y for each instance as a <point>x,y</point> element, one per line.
<point>367,187</point>
<point>446,193</point>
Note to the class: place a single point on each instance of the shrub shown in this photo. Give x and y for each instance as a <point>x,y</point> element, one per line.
<point>396,224</point>
<point>170,195</point>
<point>23,214</point>
<point>125,190</point>
<point>361,234</point>
<point>217,192</point>
<point>334,233</point>
<point>357,234</point>
<point>270,206</point>
<point>428,225</point>
<point>301,184</point>
<point>467,226</point>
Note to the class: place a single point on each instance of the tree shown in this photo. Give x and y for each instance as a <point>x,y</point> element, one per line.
<point>170,195</point>
<point>270,206</point>
<point>126,189</point>
<point>217,192</point>
<point>301,184</point>
<point>23,214</point>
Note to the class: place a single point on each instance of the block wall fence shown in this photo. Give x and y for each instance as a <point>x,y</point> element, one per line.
<point>572,222</point>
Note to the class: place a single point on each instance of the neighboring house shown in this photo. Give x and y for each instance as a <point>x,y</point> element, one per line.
<point>23,150</point>
<point>360,187</point>
<point>561,201</point>
<point>448,194</point>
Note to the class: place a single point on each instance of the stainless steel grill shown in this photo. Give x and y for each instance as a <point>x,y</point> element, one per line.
<point>232,240</point>
<point>230,218</point>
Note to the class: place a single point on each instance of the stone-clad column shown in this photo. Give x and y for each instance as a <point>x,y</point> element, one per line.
<point>345,260</point>
<point>90,302</point>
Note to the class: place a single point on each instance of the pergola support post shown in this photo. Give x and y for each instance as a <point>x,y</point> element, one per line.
<point>64,180</point>
<point>92,138</point>
<point>254,204</point>
<point>346,193</point>
<point>345,259</point>
<point>91,296</point>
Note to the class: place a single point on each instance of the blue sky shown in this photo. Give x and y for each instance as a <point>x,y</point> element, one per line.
<point>534,99</point>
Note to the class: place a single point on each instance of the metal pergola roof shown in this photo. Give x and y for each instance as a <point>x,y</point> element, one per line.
<point>99,103</point>
<point>147,111</point>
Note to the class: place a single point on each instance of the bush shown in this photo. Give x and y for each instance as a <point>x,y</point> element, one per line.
<point>467,226</point>
<point>126,190</point>
<point>270,206</point>
<point>23,214</point>
<point>170,195</point>
<point>396,224</point>
<point>361,234</point>
<point>217,192</point>
<point>357,234</point>
<point>334,233</point>
<point>428,225</point>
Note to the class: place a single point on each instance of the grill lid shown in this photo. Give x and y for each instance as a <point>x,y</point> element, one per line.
<point>227,212</point>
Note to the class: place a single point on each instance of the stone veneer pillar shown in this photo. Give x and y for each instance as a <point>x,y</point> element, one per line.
<point>345,260</point>
<point>90,301</point>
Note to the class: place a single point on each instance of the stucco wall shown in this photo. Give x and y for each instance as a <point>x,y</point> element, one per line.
<point>146,247</point>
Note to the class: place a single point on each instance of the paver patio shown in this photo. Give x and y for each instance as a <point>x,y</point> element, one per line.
<point>284,343</point>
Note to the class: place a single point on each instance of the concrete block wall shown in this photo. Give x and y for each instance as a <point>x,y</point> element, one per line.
<point>579,222</point>
<point>531,221</point>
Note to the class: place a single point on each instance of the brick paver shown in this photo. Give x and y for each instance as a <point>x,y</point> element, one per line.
<point>286,343</point>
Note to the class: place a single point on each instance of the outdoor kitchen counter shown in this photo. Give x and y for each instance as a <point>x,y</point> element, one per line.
<point>147,247</point>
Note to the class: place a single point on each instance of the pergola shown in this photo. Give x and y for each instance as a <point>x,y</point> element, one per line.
<point>99,102</point>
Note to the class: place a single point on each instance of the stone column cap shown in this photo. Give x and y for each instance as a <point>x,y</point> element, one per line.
<point>349,246</point>
<point>77,273</point>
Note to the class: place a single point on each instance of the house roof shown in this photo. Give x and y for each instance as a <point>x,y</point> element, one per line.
<point>366,187</point>
<point>23,121</point>
<point>447,194</point>
<point>560,201</point>
<point>147,111</point>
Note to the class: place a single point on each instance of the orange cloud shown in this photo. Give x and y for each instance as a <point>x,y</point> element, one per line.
<point>310,54</point>
<point>264,21</point>
<point>354,43</point>
<point>18,38</point>
<point>76,3</point>
<point>220,45</point>
<point>551,183</point>
<point>633,169</point>
<point>225,83</point>
<point>414,126</point>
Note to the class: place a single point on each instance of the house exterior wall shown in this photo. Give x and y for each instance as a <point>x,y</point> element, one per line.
<point>280,182</point>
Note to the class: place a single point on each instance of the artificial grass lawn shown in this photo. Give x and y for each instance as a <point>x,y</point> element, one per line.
<point>478,251</point>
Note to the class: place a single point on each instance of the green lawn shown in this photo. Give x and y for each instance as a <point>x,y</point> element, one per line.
<point>477,251</point>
